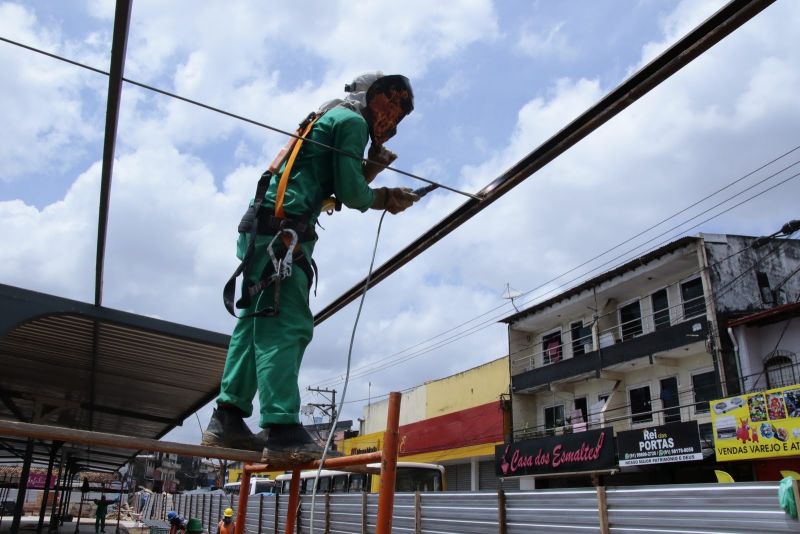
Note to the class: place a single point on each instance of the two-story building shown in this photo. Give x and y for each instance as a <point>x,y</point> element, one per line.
<point>767,350</point>
<point>645,344</point>
<point>454,421</point>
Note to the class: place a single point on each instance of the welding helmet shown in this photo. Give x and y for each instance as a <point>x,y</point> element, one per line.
<point>389,99</point>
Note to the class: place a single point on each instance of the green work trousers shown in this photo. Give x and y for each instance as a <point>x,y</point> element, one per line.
<point>264,354</point>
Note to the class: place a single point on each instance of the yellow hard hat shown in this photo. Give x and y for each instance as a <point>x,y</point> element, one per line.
<point>228,512</point>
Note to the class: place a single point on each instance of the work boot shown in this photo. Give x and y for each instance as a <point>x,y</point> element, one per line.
<point>228,429</point>
<point>289,443</point>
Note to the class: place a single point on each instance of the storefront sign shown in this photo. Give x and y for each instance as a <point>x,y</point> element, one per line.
<point>586,451</point>
<point>37,480</point>
<point>757,425</point>
<point>673,442</point>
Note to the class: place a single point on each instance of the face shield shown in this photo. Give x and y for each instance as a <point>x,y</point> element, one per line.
<point>389,99</point>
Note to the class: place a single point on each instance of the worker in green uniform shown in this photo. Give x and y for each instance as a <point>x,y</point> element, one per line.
<point>266,348</point>
<point>101,513</point>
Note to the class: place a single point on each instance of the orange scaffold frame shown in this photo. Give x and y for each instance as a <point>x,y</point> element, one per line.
<point>387,457</point>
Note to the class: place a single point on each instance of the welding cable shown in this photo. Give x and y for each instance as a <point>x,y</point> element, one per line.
<point>235,116</point>
<point>347,373</point>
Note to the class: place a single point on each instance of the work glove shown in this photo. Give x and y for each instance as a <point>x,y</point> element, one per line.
<point>379,157</point>
<point>393,199</point>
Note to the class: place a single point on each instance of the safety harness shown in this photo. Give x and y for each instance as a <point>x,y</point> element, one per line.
<point>288,231</point>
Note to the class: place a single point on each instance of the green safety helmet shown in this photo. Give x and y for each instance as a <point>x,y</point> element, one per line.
<point>194,525</point>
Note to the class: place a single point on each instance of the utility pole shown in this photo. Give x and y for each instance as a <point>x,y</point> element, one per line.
<point>329,408</point>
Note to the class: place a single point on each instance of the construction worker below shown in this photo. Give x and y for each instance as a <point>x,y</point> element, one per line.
<point>227,525</point>
<point>277,233</point>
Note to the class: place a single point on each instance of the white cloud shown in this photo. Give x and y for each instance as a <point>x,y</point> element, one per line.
<point>552,43</point>
<point>456,85</point>
<point>37,137</point>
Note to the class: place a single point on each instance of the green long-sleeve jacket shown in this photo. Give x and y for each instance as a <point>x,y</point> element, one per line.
<point>319,172</point>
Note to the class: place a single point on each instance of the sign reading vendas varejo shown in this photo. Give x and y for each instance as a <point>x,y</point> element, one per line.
<point>673,442</point>
<point>582,451</point>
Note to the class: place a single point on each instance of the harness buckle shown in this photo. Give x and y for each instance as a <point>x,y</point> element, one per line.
<point>283,266</point>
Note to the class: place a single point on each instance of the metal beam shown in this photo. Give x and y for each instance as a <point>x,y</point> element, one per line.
<point>703,37</point>
<point>122,19</point>
<point>5,396</point>
<point>86,437</point>
<point>10,395</point>
<point>22,486</point>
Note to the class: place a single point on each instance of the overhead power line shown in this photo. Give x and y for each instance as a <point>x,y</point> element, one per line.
<point>357,372</point>
<point>236,116</point>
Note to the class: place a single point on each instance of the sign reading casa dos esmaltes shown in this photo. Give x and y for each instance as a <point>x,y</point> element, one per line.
<point>582,451</point>
<point>673,442</point>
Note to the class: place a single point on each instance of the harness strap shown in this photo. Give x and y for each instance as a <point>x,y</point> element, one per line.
<point>255,223</point>
<point>249,291</point>
<point>284,181</point>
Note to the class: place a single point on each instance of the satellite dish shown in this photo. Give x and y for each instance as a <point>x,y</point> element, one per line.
<point>510,294</point>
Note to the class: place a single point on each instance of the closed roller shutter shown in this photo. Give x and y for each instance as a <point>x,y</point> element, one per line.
<point>488,481</point>
<point>458,477</point>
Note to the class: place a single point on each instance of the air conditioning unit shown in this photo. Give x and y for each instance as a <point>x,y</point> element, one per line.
<point>606,339</point>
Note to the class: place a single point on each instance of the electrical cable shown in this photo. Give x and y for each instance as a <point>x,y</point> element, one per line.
<point>332,431</point>
<point>238,117</point>
<point>489,322</point>
<point>722,290</point>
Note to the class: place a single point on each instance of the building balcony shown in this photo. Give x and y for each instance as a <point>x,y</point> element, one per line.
<point>553,368</point>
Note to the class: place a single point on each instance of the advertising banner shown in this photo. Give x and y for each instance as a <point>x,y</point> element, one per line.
<point>757,425</point>
<point>585,451</point>
<point>673,442</point>
<point>37,480</point>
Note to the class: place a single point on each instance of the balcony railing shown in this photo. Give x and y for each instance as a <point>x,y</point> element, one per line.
<point>692,404</point>
<point>540,356</point>
<point>773,376</point>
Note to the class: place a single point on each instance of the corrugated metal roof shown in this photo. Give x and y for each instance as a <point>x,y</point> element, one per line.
<point>87,367</point>
<point>772,315</point>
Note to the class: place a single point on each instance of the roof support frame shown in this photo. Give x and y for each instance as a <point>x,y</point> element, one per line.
<point>119,44</point>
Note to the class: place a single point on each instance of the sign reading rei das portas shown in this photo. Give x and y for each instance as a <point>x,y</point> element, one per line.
<point>673,442</point>
<point>757,425</point>
<point>582,451</point>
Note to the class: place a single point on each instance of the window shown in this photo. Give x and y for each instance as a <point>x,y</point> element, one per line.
<point>640,404</point>
<point>580,406</point>
<point>670,400</point>
<point>339,484</point>
<point>705,390</point>
<point>581,335</point>
<point>554,416</point>
<point>779,368</point>
<point>551,347</point>
<point>357,483</point>
<point>630,320</point>
<point>660,309</point>
<point>763,287</point>
<point>692,296</point>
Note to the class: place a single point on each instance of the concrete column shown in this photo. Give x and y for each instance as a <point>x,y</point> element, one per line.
<point>474,474</point>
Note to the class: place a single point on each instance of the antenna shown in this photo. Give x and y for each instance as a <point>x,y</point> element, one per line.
<point>510,294</point>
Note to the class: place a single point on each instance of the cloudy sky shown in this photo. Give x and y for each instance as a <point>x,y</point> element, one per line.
<point>492,81</point>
